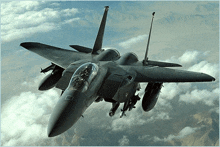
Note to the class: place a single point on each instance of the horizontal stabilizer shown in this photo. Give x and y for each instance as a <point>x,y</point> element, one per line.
<point>81,48</point>
<point>161,74</point>
<point>163,64</point>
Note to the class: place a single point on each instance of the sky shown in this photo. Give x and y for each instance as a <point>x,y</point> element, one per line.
<point>183,32</point>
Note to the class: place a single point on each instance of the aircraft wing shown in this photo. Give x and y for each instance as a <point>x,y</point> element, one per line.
<point>58,56</point>
<point>161,74</point>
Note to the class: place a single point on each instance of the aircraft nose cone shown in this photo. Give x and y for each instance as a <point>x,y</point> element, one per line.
<point>67,111</point>
<point>52,133</point>
<point>57,128</point>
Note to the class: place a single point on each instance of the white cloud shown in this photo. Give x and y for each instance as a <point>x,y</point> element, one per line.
<point>132,41</point>
<point>14,33</point>
<point>132,119</point>
<point>143,138</point>
<point>71,20</point>
<point>187,92</point>
<point>206,67</point>
<point>157,115</point>
<point>36,81</point>
<point>169,91</point>
<point>124,141</point>
<point>190,57</point>
<point>207,97</point>
<point>183,133</point>
<point>163,106</point>
<point>196,61</point>
<point>69,12</point>
<point>18,6</point>
<point>24,118</point>
<point>23,19</point>
<point>55,4</point>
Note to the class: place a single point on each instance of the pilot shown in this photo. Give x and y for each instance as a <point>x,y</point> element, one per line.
<point>78,82</point>
<point>85,73</point>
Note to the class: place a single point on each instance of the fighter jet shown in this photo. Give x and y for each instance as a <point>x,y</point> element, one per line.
<point>93,74</point>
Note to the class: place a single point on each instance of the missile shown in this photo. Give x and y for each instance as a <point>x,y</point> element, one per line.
<point>51,67</point>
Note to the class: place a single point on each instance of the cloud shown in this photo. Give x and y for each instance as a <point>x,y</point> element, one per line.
<point>206,67</point>
<point>207,97</point>
<point>144,137</point>
<point>168,91</point>
<point>24,118</point>
<point>23,19</point>
<point>124,141</point>
<point>183,133</point>
<point>171,90</point>
<point>133,118</point>
<point>36,81</point>
<point>158,115</point>
<point>192,57</point>
<point>18,7</point>
<point>128,43</point>
<point>71,20</point>
<point>196,61</point>
<point>189,92</point>
<point>164,105</point>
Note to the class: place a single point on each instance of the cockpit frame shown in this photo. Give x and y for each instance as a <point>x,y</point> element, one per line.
<point>83,76</point>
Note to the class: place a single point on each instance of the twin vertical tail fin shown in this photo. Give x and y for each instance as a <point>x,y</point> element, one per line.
<point>98,42</point>
<point>145,61</point>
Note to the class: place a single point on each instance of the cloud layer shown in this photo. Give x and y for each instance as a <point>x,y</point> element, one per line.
<point>25,18</point>
<point>183,133</point>
<point>24,118</point>
<point>132,41</point>
<point>124,141</point>
<point>196,61</point>
<point>204,96</point>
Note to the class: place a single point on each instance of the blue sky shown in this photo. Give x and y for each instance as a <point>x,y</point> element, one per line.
<point>183,32</point>
<point>125,20</point>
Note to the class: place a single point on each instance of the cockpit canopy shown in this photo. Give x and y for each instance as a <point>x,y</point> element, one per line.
<point>83,76</point>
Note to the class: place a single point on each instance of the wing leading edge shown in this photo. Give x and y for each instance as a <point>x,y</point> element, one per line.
<point>160,74</point>
<point>61,57</point>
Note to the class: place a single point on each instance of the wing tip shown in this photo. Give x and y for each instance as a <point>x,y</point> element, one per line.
<point>28,45</point>
<point>208,77</point>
